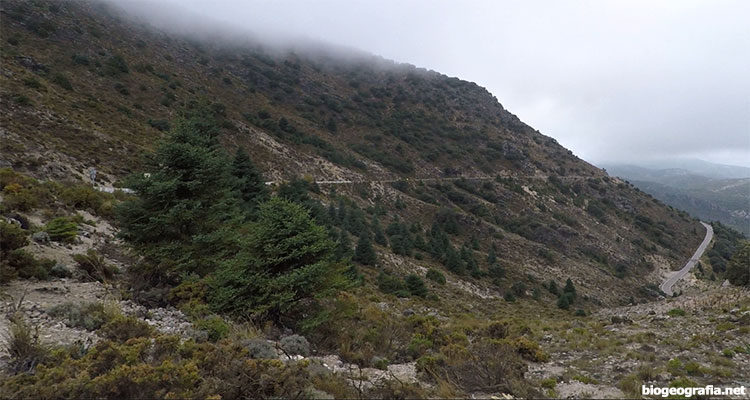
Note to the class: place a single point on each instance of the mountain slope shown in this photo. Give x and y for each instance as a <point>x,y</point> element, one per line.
<point>84,87</point>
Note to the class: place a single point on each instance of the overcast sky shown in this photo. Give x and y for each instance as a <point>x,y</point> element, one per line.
<point>611,80</point>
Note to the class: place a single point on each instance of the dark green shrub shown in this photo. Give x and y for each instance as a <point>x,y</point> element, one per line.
<point>22,100</point>
<point>62,229</point>
<point>27,266</point>
<point>518,289</point>
<point>159,124</point>
<point>390,284</point>
<point>676,312</point>
<point>214,325</point>
<point>416,285</point>
<point>121,328</point>
<point>122,89</point>
<point>62,81</point>
<point>84,197</point>
<point>436,276</point>
<point>32,82</point>
<point>552,287</point>
<point>80,59</point>
<point>115,65</point>
<point>530,350</point>
<point>11,237</point>
<point>570,290</point>
<point>496,272</point>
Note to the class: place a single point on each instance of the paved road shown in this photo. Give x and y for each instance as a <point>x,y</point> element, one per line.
<point>666,286</point>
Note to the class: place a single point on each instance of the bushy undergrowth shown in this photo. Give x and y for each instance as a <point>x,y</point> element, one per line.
<point>23,345</point>
<point>23,193</point>
<point>485,366</point>
<point>162,366</point>
<point>94,267</point>
<point>16,262</point>
<point>89,316</point>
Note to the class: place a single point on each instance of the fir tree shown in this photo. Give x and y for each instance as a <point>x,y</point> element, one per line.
<point>331,125</point>
<point>419,243</point>
<point>416,285</point>
<point>332,213</point>
<point>553,288</point>
<point>341,215</point>
<point>570,289</point>
<point>496,272</point>
<point>563,302</point>
<point>285,258</point>
<point>364,253</point>
<point>378,231</point>
<point>491,257</point>
<point>182,218</point>
<point>343,246</point>
<point>438,242</point>
<point>249,181</point>
<point>453,261</point>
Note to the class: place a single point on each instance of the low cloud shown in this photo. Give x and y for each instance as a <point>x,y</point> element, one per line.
<point>611,80</point>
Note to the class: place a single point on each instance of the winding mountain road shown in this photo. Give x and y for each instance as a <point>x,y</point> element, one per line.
<point>667,285</point>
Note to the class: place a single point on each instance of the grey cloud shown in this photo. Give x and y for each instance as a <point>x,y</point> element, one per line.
<point>611,80</point>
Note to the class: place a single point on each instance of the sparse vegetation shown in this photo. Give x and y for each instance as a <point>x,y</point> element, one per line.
<point>212,239</point>
<point>94,267</point>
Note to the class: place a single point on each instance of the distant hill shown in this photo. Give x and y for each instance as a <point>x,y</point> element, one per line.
<point>700,167</point>
<point>710,196</point>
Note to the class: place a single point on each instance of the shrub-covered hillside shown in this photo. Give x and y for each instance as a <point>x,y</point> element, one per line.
<point>302,224</point>
<point>437,158</point>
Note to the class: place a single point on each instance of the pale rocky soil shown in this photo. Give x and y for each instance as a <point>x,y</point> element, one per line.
<point>603,349</point>
<point>33,299</point>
